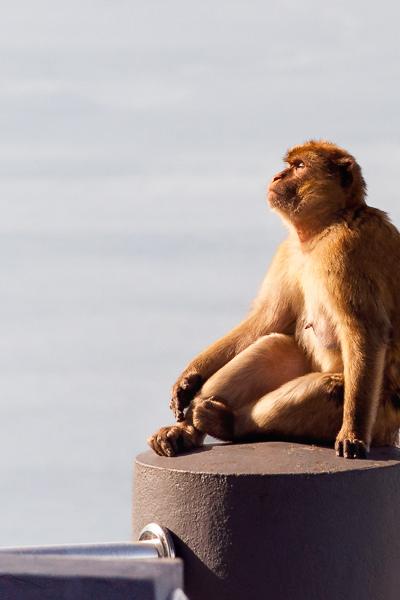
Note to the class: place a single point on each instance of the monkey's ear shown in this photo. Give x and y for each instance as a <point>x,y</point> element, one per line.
<point>345,167</point>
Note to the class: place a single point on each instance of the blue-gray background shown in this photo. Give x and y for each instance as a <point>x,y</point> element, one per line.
<point>136,142</point>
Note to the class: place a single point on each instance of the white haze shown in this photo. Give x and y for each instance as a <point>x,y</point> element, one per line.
<point>136,142</point>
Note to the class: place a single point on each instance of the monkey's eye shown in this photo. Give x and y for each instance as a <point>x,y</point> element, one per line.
<point>299,165</point>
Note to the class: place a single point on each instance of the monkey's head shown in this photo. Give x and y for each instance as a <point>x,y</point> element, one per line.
<point>319,183</point>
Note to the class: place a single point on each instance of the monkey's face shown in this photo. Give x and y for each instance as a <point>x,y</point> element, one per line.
<point>320,180</point>
<point>284,191</point>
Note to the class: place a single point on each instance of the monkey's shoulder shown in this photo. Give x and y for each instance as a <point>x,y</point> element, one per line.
<point>362,262</point>
<point>369,236</point>
<point>368,224</point>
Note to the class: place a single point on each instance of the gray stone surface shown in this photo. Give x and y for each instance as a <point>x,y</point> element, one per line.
<point>277,520</point>
<point>49,578</point>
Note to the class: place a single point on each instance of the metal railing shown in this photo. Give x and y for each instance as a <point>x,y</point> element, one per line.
<point>154,542</point>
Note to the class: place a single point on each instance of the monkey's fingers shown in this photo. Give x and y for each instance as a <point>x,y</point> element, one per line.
<point>351,448</point>
<point>177,408</point>
<point>183,393</point>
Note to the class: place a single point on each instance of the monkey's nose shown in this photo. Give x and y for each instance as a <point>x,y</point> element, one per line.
<point>272,182</point>
<point>277,177</point>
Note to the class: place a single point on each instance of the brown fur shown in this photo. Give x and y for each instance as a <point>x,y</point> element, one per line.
<point>318,357</point>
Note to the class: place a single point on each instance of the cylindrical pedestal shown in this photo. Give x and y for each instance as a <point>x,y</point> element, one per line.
<point>277,520</point>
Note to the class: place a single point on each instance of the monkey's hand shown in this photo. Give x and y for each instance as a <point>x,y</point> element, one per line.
<point>183,392</point>
<point>169,441</point>
<point>349,445</point>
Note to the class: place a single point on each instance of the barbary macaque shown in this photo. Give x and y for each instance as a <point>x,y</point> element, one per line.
<point>318,357</point>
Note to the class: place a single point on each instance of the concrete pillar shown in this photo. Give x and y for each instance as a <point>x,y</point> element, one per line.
<point>277,520</point>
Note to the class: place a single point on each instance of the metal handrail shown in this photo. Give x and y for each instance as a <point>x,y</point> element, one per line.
<point>154,542</point>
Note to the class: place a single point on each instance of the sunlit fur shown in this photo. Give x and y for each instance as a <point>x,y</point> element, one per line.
<point>318,356</point>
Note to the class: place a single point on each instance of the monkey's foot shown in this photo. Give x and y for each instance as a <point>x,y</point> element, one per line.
<point>350,447</point>
<point>183,393</point>
<point>174,439</point>
<point>215,418</point>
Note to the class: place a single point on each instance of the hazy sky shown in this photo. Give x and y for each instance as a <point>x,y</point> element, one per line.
<point>137,139</point>
<point>187,99</point>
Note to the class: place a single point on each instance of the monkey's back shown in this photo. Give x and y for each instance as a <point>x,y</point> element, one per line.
<point>382,239</point>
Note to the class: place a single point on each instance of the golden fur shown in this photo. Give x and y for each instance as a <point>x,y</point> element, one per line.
<point>318,356</point>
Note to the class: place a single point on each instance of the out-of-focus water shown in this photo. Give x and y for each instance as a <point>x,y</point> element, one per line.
<point>136,143</point>
<point>96,324</point>
<point>99,313</point>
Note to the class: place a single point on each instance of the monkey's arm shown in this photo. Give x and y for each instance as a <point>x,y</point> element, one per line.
<point>273,311</point>
<point>363,351</point>
<point>210,360</point>
<point>362,300</point>
<point>359,299</point>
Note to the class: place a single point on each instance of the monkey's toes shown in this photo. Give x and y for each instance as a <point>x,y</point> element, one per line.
<point>162,442</point>
<point>183,393</point>
<point>351,448</point>
<point>215,418</point>
<point>169,441</point>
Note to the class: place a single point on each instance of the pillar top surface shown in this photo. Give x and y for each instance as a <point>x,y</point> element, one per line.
<point>269,458</point>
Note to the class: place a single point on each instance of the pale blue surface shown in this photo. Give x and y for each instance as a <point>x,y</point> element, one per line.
<point>136,142</point>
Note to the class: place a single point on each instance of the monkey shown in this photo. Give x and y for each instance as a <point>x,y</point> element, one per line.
<point>317,358</point>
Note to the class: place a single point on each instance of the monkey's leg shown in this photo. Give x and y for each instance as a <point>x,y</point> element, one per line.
<point>211,360</point>
<point>261,367</point>
<point>308,407</point>
<point>264,366</point>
